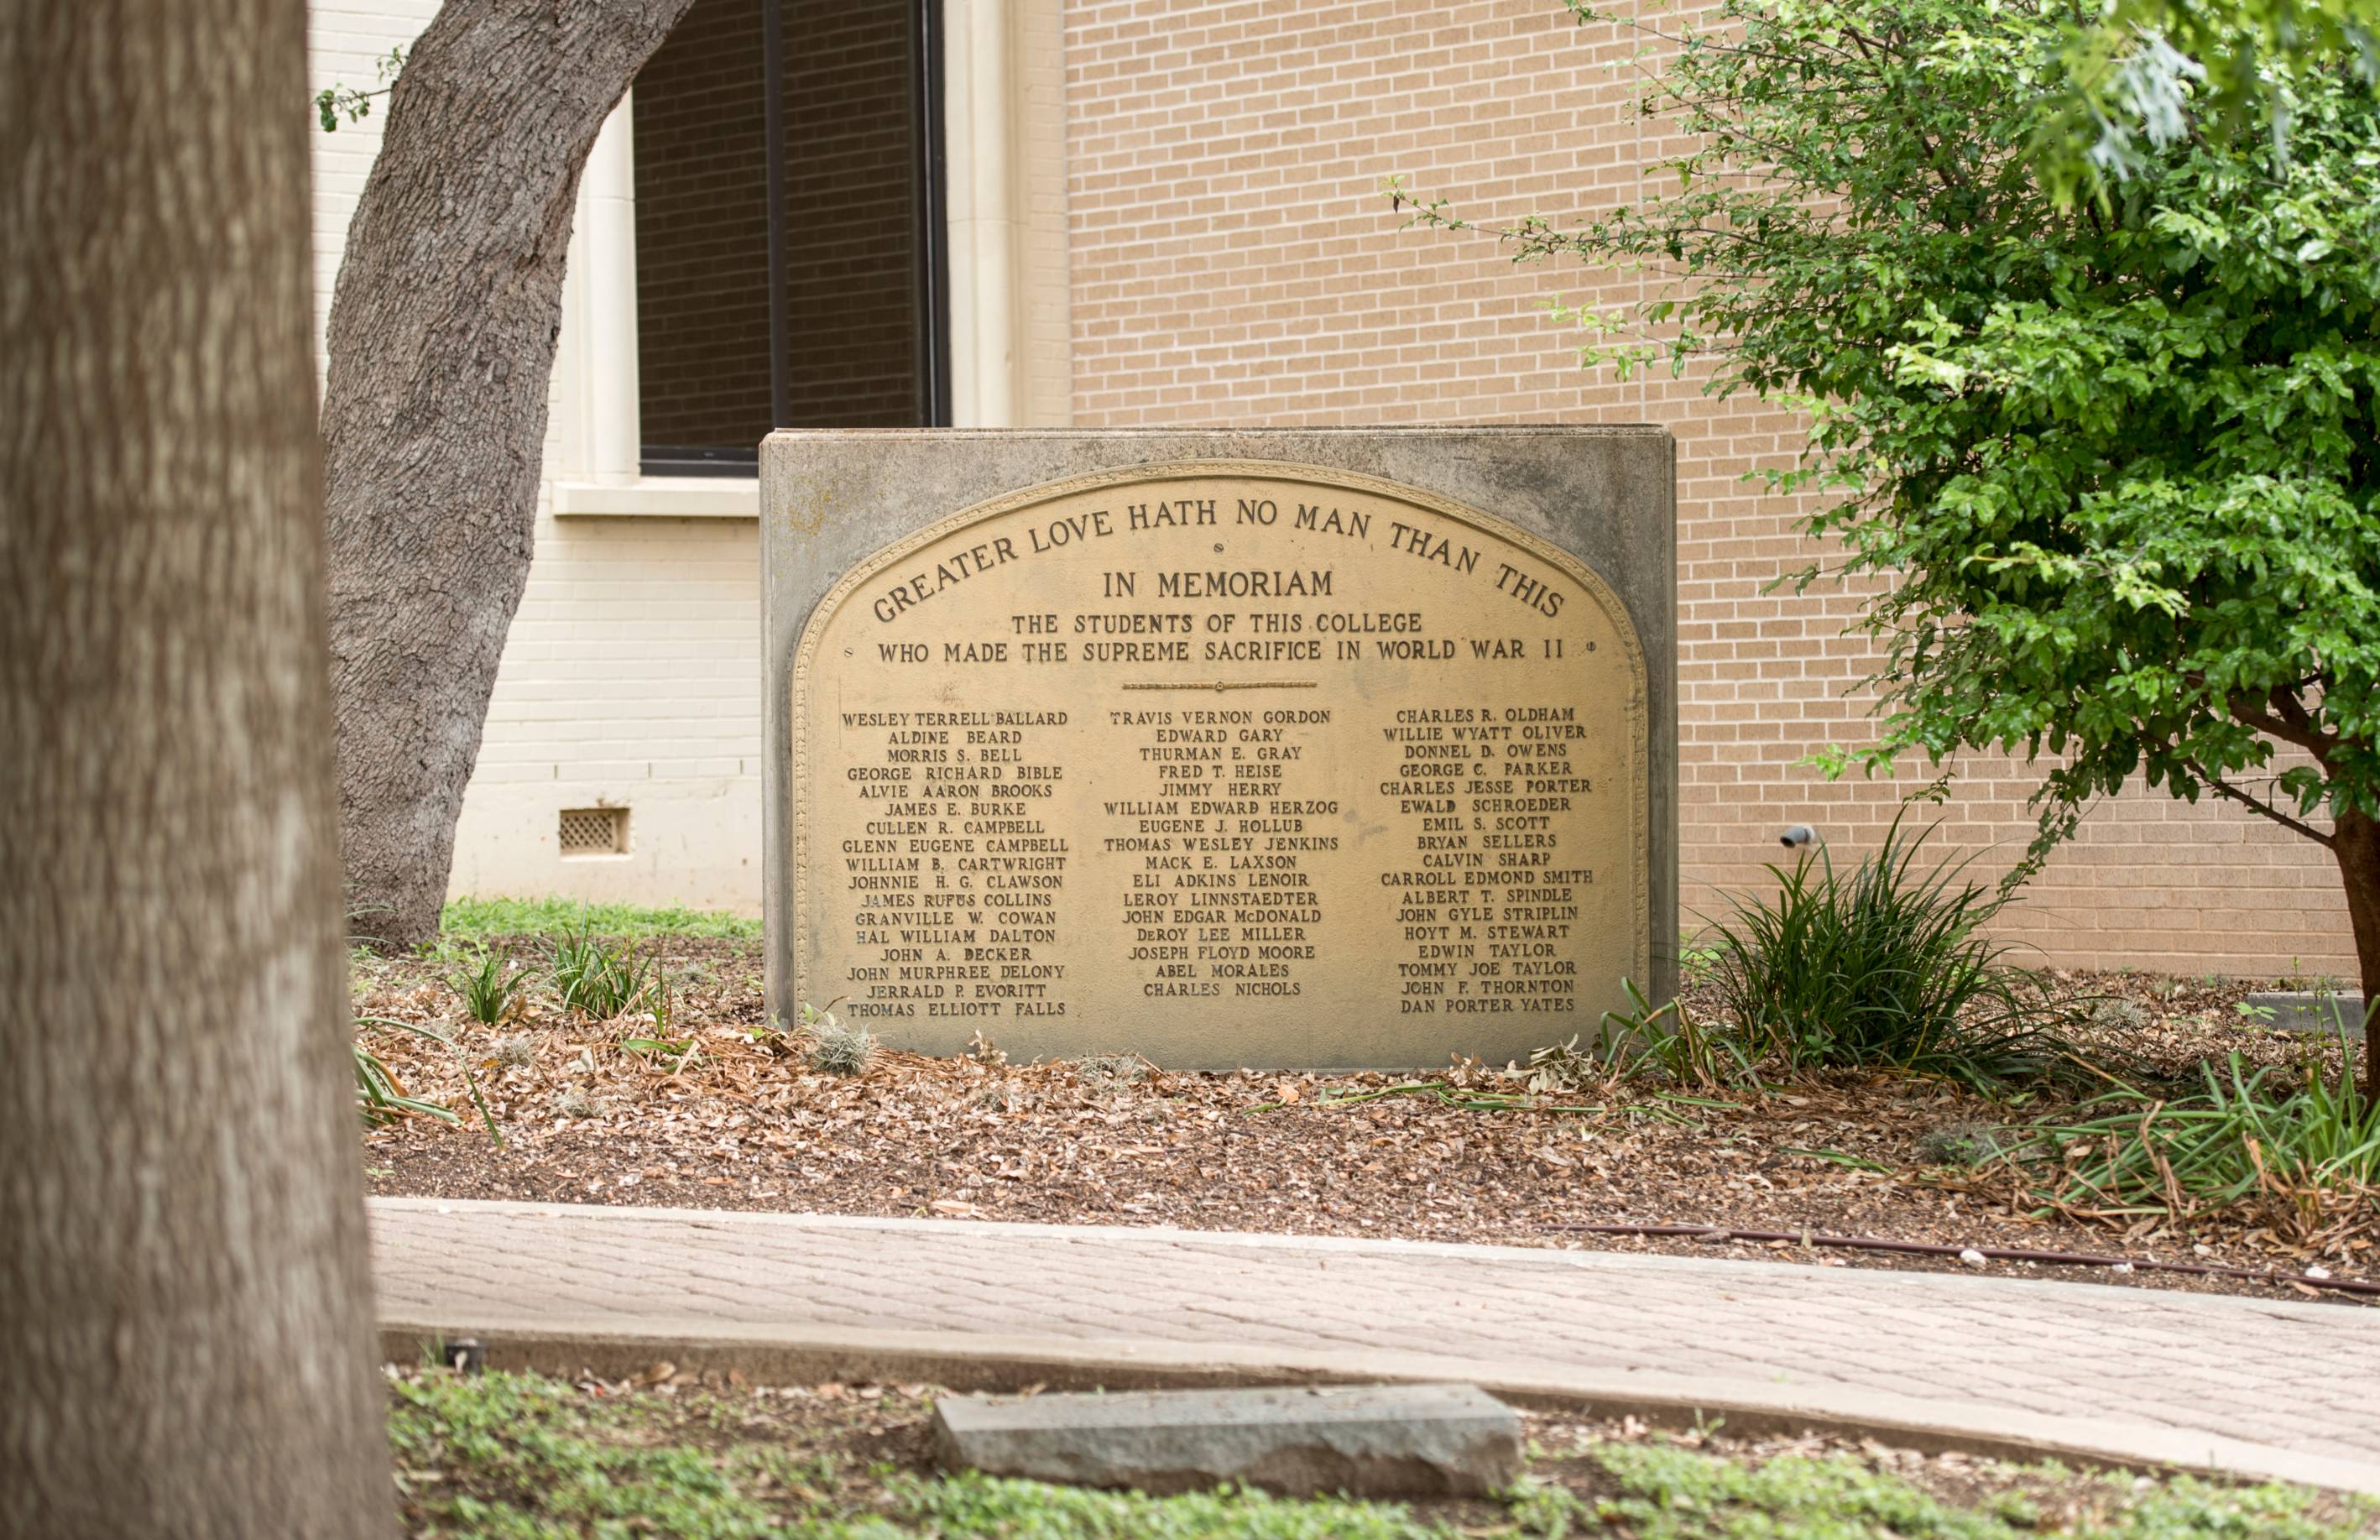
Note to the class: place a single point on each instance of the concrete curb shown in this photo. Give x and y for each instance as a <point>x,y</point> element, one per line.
<point>995,1362</point>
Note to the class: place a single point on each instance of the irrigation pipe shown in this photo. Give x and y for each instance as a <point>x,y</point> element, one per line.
<point>1998,1254</point>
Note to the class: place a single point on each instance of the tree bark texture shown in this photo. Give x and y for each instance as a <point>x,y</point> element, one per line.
<point>442,330</point>
<point>2355,840</point>
<point>184,1294</point>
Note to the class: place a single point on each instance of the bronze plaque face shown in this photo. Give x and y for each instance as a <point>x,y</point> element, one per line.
<point>1223,764</point>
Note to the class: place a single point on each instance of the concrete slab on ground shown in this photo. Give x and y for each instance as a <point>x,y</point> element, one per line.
<point>2311,1011</point>
<point>1365,1440</point>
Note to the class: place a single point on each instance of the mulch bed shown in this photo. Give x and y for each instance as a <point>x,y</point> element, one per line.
<point>743,1123</point>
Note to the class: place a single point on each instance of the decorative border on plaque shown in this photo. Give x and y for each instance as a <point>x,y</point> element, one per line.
<point>1590,581</point>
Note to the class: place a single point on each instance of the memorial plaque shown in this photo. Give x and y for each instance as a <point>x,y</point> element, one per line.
<point>1226,762</point>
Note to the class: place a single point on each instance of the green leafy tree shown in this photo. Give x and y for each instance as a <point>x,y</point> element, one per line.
<point>2111,463</point>
<point>2163,70</point>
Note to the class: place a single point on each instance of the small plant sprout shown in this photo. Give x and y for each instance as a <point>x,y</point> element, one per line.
<point>379,1095</point>
<point>381,1098</point>
<point>1125,1068</point>
<point>659,1044</point>
<point>1666,1042</point>
<point>2118,1014</point>
<point>598,981</point>
<point>1959,1144</point>
<point>837,1048</point>
<point>491,987</point>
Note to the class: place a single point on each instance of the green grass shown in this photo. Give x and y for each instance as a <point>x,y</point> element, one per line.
<point>470,921</point>
<point>1668,1493</point>
<point>518,1456</point>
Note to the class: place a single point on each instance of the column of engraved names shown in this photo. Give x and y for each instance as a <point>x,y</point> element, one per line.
<point>1487,905</point>
<point>1216,832</point>
<point>955,882</point>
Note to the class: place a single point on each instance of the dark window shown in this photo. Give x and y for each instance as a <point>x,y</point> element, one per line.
<point>803,288</point>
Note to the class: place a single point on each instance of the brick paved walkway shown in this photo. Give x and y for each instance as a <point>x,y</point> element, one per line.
<point>2287,1376</point>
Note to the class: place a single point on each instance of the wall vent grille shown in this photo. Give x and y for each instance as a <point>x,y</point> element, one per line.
<point>594,832</point>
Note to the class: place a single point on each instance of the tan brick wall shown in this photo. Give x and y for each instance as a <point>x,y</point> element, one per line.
<point>631,675</point>
<point>1042,146</point>
<point>1233,263</point>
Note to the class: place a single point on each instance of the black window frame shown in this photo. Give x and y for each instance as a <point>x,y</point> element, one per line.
<point>929,183</point>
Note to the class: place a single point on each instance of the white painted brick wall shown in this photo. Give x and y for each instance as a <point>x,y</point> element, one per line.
<point>632,678</point>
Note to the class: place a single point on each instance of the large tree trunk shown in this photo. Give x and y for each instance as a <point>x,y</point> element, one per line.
<point>183,1283</point>
<point>442,328</point>
<point>2355,839</point>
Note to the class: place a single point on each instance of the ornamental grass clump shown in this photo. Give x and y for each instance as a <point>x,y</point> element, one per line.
<point>2304,1156</point>
<point>1883,967</point>
<point>490,986</point>
<point>599,980</point>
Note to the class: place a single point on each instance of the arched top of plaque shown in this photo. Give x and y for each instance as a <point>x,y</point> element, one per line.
<point>1586,578</point>
<point>1286,717</point>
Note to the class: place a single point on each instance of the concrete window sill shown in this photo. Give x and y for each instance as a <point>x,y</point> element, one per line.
<point>660,497</point>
